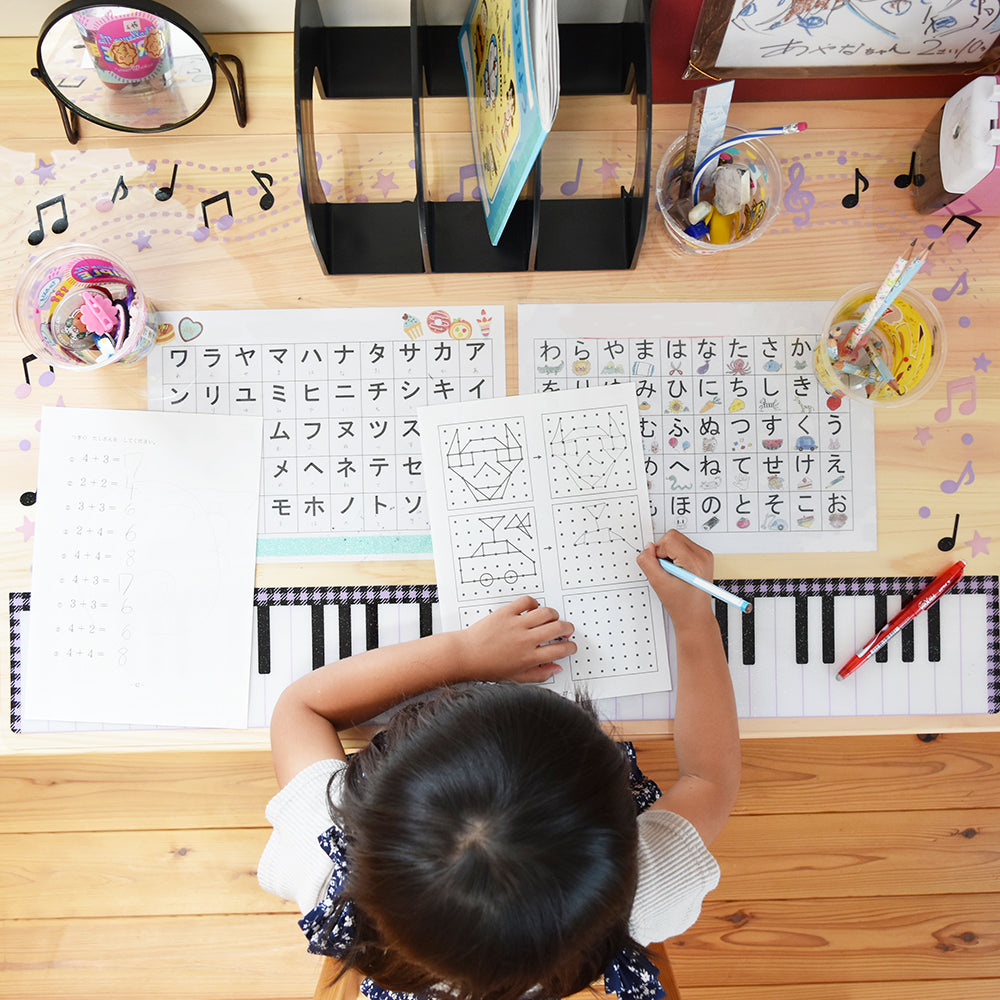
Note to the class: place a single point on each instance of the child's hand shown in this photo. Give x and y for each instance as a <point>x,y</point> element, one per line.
<point>518,642</point>
<point>682,601</point>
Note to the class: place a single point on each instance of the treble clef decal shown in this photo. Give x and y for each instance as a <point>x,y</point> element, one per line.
<point>796,198</point>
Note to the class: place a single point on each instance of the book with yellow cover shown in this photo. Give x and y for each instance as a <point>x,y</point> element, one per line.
<point>510,57</point>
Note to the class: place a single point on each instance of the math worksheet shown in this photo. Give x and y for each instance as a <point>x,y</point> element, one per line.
<point>742,448</point>
<point>338,390</point>
<point>143,569</point>
<point>544,494</point>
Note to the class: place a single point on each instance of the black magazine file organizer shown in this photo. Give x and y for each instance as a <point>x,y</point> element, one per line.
<point>421,61</point>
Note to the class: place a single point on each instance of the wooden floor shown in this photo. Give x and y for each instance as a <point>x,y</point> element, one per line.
<point>865,868</point>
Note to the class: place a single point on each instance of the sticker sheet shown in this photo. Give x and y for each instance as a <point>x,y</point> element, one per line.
<point>742,448</point>
<point>338,389</point>
<point>545,495</point>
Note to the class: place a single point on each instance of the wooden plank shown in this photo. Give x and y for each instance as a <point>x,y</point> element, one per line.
<point>176,790</point>
<point>939,989</point>
<point>160,872</point>
<point>856,773</point>
<point>218,789</point>
<point>896,938</point>
<point>803,856</point>
<point>210,958</point>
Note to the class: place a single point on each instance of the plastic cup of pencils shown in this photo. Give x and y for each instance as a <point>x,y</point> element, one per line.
<point>896,363</point>
<point>715,232</point>
<point>79,307</point>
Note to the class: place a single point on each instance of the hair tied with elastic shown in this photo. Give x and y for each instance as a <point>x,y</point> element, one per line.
<point>633,977</point>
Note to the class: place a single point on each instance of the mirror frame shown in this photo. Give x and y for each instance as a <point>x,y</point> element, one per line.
<point>230,65</point>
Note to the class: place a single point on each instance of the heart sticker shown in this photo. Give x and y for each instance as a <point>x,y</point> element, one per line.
<point>189,329</point>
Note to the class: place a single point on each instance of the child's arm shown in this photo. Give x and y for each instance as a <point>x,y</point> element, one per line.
<point>706,731</point>
<point>509,644</point>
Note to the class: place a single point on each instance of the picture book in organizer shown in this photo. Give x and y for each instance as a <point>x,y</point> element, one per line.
<point>510,57</point>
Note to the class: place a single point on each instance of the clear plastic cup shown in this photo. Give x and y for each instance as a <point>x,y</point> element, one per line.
<point>907,343</point>
<point>754,219</point>
<point>78,306</point>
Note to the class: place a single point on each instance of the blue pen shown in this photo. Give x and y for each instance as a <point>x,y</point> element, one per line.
<point>709,588</point>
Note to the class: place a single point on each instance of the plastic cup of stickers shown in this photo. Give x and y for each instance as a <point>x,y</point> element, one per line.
<point>753,158</point>
<point>79,307</point>
<point>897,362</point>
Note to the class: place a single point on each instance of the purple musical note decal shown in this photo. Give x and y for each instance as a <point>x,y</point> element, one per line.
<point>797,199</point>
<point>166,193</point>
<point>967,476</point>
<point>851,200</point>
<point>959,288</point>
<point>59,226</point>
<point>956,386</point>
<point>464,173</point>
<point>570,187</point>
<point>266,199</point>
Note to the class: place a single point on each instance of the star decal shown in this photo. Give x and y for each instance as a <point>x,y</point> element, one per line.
<point>978,544</point>
<point>608,171</point>
<point>923,435</point>
<point>45,171</point>
<point>982,363</point>
<point>142,241</point>
<point>385,183</point>
<point>27,529</point>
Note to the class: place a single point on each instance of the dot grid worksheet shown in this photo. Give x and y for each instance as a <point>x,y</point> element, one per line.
<point>742,448</point>
<point>544,495</point>
<point>338,389</point>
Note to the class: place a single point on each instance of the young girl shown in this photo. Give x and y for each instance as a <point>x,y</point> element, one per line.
<point>486,844</point>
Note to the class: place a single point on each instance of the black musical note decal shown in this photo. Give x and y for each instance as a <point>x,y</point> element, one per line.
<point>912,177</point>
<point>947,543</point>
<point>166,193</point>
<point>851,200</point>
<point>46,378</point>
<point>226,219</point>
<point>59,226</point>
<point>121,187</point>
<point>266,199</point>
<point>971,223</point>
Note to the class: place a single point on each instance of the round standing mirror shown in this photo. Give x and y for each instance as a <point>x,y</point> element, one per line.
<point>133,68</point>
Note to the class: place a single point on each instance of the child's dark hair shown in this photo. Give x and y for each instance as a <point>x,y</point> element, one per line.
<point>492,846</point>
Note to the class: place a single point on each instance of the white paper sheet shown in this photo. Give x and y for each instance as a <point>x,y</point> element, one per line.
<point>142,580</point>
<point>544,494</point>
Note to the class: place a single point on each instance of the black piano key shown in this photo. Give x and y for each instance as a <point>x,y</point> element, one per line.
<point>934,633</point>
<point>344,621</point>
<point>749,642</point>
<point>801,628</point>
<point>318,636</point>
<point>371,626</point>
<point>826,627</point>
<point>263,639</point>
<point>881,617</point>
<point>426,620</point>
<point>722,617</point>
<point>906,643</point>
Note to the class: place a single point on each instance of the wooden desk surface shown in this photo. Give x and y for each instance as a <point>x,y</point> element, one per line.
<point>265,260</point>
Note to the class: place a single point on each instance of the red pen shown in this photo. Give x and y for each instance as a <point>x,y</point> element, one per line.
<point>931,594</point>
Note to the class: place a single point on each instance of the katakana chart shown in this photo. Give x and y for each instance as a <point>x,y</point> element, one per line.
<point>338,389</point>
